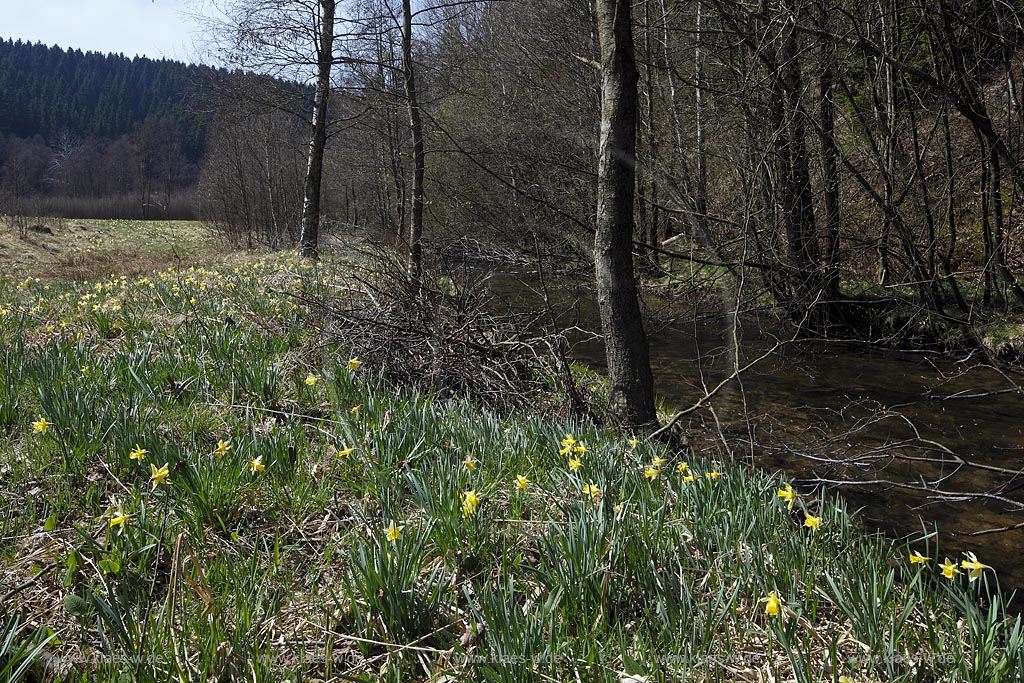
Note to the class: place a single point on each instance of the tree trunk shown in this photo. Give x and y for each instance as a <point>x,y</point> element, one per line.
<point>418,156</point>
<point>829,156</point>
<point>309,233</point>
<point>930,266</point>
<point>999,239</point>
<point>947,256</point>
<point>649,210</point>
<point>698,116</point>
<point>887,114</point>
<point>795,195</point>
<point>986,227</point>
<point>394,225</point>
<point>631,392</point>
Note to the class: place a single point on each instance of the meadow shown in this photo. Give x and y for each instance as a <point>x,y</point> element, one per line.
<point>194,485</point>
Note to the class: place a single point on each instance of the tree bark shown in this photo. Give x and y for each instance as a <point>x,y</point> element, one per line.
<point>631,392</point>
<point>418,155</point>
<point>999,239</point>
<point>698,120</point>
<point>986,228</point>
<point>309,233</point>
<point>649,217</point>
<point>829,156</point>
<point>795,195</point>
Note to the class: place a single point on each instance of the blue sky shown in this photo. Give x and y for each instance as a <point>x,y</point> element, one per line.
<point>152,28</point>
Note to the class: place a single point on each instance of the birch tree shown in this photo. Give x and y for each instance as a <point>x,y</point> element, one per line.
<point>309,235</point>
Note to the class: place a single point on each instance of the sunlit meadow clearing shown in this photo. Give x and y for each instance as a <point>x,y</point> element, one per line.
<point>195,486</point>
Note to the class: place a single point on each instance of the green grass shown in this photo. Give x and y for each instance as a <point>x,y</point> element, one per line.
<point>1004,338</point>
<point>226,571</point>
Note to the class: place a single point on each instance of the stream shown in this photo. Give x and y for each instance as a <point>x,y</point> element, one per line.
<point>807,405</point>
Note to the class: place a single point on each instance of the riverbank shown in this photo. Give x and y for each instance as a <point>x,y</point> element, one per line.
<point>867,313</point>
<point>918,439</point>
<point>195,486</point>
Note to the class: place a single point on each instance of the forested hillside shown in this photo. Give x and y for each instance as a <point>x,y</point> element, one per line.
<point>49,91</point>
<point>88,135</point>
<point>84,134</point>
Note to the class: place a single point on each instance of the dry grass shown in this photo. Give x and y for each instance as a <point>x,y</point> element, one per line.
<point>59,249</point>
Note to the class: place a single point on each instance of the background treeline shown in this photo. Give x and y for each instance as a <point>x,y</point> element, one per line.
<point>92,135</point>
<point>49,90</point>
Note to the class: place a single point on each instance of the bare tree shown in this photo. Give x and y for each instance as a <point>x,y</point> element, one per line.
<point>418,157</point>
<point>294,41</point>
<point>250,188</point>
<point>309,234</point>
<point>631,393</point>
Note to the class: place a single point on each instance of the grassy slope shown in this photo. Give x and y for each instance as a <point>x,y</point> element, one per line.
<point>82,248</point>
<point>288,572</point>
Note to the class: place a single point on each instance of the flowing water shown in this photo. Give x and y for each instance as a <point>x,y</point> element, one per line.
<point>807,405</point>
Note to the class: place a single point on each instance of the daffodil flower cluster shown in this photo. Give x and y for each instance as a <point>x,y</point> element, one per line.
<point>949,568</point>
<point>470,501</point>
<point>571,445</point>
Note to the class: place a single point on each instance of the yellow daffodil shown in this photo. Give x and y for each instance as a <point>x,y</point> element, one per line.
<point>393,532</point>
<point>355,409</point>
<point>579,448</point>
<point>633,442</point>
<point>658,462</point>
<point>690,478</point>
<point>592,490</point>
<point>522,482</point>
<point>574,464</point>
<point>787,494</point>
<point>118,518</point>
<point>85,370</point>
<point>345,451</point>
<point>221,449</point>
<point>354,363</point>
<point>812,522</point>
<point>158,475</point>
<point>40,426</point>
<point>311,379</point>
<point>949,569</point>
<point>469,463</point>
<point>918,558</point>
<point>713,474</point>
<point>682,467</point>
<point>256,465</point>
<point>772,604</point>
<point>975,567</point>
<point>137,453</point>
<point>470,501</point>
<point>651,472</point>
<point>568,440</point>
<point>565,450</point>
